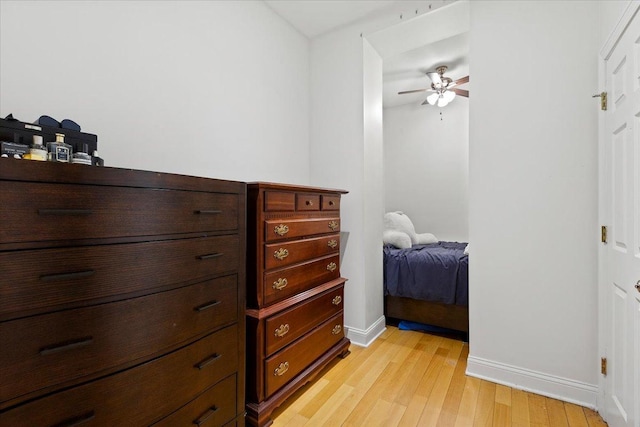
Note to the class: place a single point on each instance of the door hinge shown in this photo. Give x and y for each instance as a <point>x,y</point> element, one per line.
<point>603,366</point>
<point>603,234</point>
<point>603,100</point>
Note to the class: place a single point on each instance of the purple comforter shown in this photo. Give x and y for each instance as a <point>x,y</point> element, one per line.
<point>437,272</point>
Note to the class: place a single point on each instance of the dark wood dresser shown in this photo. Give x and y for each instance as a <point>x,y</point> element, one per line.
<point>122,297</point>
<point>294,291</point>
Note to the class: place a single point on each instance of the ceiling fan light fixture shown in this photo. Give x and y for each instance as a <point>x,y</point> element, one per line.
<point>449,95</point>
<point>442,101</point>
<point>433,98</point>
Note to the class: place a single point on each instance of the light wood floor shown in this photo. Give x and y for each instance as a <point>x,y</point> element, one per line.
<point>410,378</point>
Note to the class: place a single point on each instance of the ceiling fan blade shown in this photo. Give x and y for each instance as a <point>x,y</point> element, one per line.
<point>460,92</point>
<point>462,80</point>
<point>425,102</point>
<point>435,77</point>
<point>412,91</point>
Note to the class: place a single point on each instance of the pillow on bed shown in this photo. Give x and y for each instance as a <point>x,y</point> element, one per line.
<point>396,238</point>
<point>397,221</point>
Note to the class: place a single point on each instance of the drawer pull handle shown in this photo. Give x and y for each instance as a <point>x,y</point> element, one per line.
<point>281,369</point>
<point>280,284</point>
<point>206,306</point>
<point>336,330</point>
<point>332,267</point>
<point>204,417</point>
<point>281,254</point>
<point>333,225</point>
<point>71,212</point>
<point>331,203</point>
<point>210,256</point>
<point>67,276</point>
<point>332,243</point>
<point>336,300</point>
<point>67,345</point>
<point>281,229</point>
<point>209,360</point>
<point>309,203</point>
<point>76,421</point>
<point>282,330</point>
<point>208,212</point>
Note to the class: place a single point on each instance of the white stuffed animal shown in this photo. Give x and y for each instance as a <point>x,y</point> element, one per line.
<point>400,232</point>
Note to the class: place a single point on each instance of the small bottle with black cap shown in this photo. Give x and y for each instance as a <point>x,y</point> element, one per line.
<point>59,151</point>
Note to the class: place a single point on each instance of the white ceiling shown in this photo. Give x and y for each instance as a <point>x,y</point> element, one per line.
<point>405,71</point>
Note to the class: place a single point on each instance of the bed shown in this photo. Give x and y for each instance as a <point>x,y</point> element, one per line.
<point>428,284</point>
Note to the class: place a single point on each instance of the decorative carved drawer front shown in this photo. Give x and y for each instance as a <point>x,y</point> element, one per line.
<point>286,229</point>
<point>286,364</point>
<point>63,212</point>
<point>138,395</point>
<point>212,408</point>
<point>307,202</point>
<point>284,283</point>
<point>42,351</point>
<point>71,276</point>
<point>279,201</point>
<point>289,325</point>
<point>330,203</point>
<point>287,253</point>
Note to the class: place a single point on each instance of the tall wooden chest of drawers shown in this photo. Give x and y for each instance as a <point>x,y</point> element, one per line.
<point>294,291</point>
<point>122,297</point>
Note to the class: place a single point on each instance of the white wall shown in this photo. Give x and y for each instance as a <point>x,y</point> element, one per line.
<point>217,89</point>
<point>533,196</point>
<point>426,164</point>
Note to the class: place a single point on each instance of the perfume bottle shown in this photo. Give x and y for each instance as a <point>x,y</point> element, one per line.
<point>59,151</point>
<point>37,151</point>
<point>81,156</point>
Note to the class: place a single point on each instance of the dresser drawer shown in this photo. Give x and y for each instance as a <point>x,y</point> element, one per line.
<point>285,365</point>
<point>291,324</point>
<point>330,203</point>
<point>32,281</point>
<point>42,351</point>
<point>214,407</point>
<point>286,229</point>
<point>287,253</point>
<point>56,212</point>
<point>138,396</point>
<point>276,201</point>
<point>307,202</point>
<point>281,284</point>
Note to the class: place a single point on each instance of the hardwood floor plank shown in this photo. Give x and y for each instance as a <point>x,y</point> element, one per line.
<point>486,402</point>
<point>412,379</point>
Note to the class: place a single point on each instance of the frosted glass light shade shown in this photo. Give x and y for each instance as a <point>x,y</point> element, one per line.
<point>442,101</point>
<point>432,99</point>
<point>449,95</point>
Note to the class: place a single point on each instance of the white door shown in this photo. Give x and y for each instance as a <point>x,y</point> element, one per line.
<point>620,196</point>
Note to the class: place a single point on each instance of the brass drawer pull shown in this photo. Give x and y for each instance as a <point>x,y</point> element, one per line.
<point>204,417</point>
<point>280,284</point>
<point>331,203</point>
<point>332,267</point>
<point>208,212</point>
<point>209,360</point>
<point>67,345</point>
<point>210,256</point>
<point>309,203</point>
<point>336,300</point>
<point>281,369</point>
<point>281,254</point>
<point>332,243</point>
<point>71,212</point>
<point>281,229</point>
<point>336,330</point>
<point>76,421</point>
<point>333,225</point>
<point>282,330</point>
<point>206,306</point>
<point>67,276</point>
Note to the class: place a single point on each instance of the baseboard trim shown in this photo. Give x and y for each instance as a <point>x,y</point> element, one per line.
<point>564,389</point>
<point>364,337</point>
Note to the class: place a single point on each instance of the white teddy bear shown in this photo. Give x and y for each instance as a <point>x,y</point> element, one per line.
<point>400,232</point>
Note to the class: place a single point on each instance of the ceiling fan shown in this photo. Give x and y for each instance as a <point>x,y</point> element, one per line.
<point>442,87</point>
